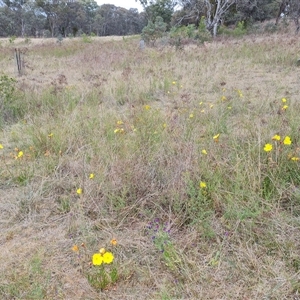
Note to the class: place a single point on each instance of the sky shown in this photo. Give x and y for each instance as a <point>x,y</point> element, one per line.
<point>123,3</point>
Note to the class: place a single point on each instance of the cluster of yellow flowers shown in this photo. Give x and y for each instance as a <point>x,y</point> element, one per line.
<point>285,106</point>
<point>277,138</point>
<point>101,257</point>
<point>286,141</point>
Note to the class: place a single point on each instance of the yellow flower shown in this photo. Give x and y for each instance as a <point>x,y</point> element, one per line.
<point>204,152</point>
<point>268,147</point>
<point>174,82</point>
<point>294,158</point>
<point>75,248</point>
<point>202,185</point>
<point>211,106</point>
<point>120,122</point>
<point>223,98</point>
<point>108,257</point>
<point>287,140</point>
<point>20,154</point>
<point>164,125</point>
<point>202,110</point>
<point>191,116</point>
<point>97,259</point>
<point>284,107</point>
<point>276,137</point>
<point>79,191</point>
<point>114,242</point>
<point>216,137</point>
<point>283,100</point>
<point>200,103</point>
<point>91,176</point>
<point>147,107</point>
<point>50,135</point>
<point>1,146</point>
<point>102,251</point>
<point>229,107</point>
<point>119,130</point>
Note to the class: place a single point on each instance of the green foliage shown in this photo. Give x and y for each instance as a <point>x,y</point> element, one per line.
<point>239,30</point>
<point>7,88</point>
<point>154,31</point>
<point>12,39</point>
<point>179,35</point>
<point>160,235</point>
<point>10,106</point>
<point>161,8</point>
<point>100,277</point>
<point>199,205</point>
<point>203,35</point>
<point>85,38</point>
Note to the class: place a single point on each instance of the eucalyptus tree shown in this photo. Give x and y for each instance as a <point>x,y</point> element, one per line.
<point>159,8</point>
<point>290,9</point>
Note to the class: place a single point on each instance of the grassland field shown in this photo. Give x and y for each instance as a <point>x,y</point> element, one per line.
<point>183,165</point>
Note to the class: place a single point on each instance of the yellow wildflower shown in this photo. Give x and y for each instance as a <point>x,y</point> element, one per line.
<point>20,154</point>
<point>223,98</point>
<point>114,242</point>
<point>50,135</point>
<point>174,82</point>
<point>1,146</point>
<point>97,259</point>
<point>75,248</point>
<point>147,107</point>
<point>119,130</point>
<point>294,158</point>
<point>276,137</point>
<point>204,152</point>
<point>108,257</point>
<point>102,251</point>
<point>268,147</point>
<point>229,107</point>
<point>216,137</point>
<point>202,185</point>
<point>283,100</point>
<point>120,122</point>
<point>211,106</point>
<point>287,140</point>
<point>91,176</point>
<point>191,116</point>
<point>284,107</point>
<point>200,103</point>
<point>79,191</point>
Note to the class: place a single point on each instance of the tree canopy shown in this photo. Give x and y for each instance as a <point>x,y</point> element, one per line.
<point>73,17</point>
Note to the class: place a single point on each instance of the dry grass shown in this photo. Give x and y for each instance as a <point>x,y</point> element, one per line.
<point>236,239</point>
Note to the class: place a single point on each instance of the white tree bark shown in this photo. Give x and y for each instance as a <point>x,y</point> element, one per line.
<point>216,10</point>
